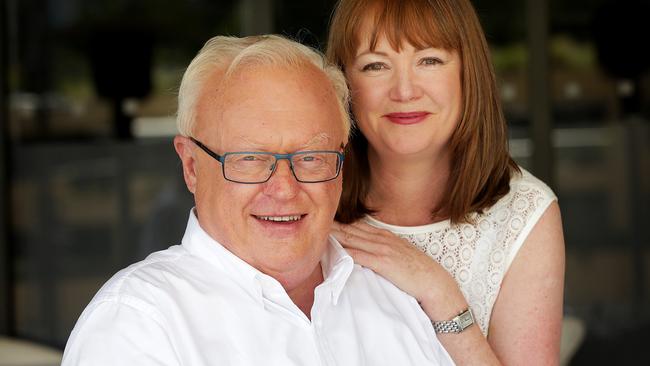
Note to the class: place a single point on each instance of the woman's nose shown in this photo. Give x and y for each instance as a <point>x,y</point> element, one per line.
<point>405,86</point>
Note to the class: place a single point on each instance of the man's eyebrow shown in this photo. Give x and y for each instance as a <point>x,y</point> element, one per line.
<point>250,144</point>
<point>319,139</point>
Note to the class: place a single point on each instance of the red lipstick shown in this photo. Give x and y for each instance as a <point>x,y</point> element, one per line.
<point>406,118</point>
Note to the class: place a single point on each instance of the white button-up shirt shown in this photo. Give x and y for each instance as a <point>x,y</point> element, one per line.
<point>198,304</point>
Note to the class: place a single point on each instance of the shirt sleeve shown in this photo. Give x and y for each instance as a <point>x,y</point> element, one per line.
<point>119,333</point>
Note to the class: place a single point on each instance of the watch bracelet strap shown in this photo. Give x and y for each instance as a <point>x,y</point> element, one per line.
<point>446,326</point>
<point>456,325</point>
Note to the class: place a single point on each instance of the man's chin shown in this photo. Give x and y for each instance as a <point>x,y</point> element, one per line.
<point>289,269</point>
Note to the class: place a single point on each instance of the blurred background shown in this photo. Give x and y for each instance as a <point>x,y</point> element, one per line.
<point>89,181</point>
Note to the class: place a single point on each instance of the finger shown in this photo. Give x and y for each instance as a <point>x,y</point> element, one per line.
<point>372,230</point>
<point>363,258</point>
<point>350,229</point>
<point>349,239</point>
<point>344,237</point>
<point>341,236</point>
<point>378,236</point>
<point>355,230</point>
<point>349,233</point>
<point>385,252</point>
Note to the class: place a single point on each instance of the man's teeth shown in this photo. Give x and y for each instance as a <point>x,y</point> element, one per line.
<point>280,218</point>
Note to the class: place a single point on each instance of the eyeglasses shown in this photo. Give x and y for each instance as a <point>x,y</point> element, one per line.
<point>257,167</point>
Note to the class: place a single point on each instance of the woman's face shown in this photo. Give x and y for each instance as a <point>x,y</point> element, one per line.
<point>406,103</point>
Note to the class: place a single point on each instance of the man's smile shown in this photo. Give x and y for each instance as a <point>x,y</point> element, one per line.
<point>285,218</point>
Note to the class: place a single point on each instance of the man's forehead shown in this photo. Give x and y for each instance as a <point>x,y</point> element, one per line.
<point>262,101</point>
<point>318,139</point>
<point>235,76</point>
<point>247,83</point>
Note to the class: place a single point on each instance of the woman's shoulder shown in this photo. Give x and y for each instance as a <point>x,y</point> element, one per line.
<point>527,199</point>
<point>527,189</point>
<point>525,181</point>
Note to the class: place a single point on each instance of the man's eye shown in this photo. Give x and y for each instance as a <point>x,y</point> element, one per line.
<point>310,159</point>
<point>251,158</point>
<point>375,66</point>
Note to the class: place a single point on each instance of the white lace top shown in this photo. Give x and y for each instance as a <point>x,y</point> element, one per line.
<point>478,256</point>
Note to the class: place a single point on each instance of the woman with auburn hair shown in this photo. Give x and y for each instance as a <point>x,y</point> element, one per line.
<point>432,199</point>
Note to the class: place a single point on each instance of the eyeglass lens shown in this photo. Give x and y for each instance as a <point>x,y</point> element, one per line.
<point>307,166</point>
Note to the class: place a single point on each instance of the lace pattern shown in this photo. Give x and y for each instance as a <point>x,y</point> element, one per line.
<point>478,255</point>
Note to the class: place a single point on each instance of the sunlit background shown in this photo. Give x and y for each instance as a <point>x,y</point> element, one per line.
<point>90,183</point>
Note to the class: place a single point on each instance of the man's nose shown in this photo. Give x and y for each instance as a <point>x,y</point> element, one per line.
<point>283,184</point>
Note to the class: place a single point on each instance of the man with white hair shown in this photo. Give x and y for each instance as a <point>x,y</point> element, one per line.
<point>257,280</point>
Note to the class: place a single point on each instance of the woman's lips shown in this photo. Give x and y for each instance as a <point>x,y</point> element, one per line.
<point>406,118</point>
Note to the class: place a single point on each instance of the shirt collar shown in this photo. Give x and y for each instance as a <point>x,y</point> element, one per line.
<point>202,245</point>
<point>336,263</point>
<point>337,267</point>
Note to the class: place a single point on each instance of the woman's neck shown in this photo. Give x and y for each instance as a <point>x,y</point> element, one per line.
<point>405,190</point>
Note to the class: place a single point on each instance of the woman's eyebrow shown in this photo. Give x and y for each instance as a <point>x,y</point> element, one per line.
<point>370,52</point>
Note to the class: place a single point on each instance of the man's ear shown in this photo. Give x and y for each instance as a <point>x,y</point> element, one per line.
<point>185,150</point>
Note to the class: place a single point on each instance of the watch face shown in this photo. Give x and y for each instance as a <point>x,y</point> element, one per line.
<point>465,319</point>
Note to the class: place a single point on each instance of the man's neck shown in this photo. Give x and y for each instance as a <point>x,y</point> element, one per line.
<point>303,295</point>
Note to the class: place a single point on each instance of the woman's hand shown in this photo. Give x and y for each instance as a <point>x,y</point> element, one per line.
<point>417,274</point>
<point>404,265</point>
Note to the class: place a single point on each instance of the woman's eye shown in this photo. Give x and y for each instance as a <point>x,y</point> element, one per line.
<point>428,61</point>
<point>375,66</point>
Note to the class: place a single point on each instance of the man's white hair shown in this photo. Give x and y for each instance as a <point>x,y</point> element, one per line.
<point>231,53</point>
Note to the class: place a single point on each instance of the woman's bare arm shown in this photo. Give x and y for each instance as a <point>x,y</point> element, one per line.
<point>526,322</point>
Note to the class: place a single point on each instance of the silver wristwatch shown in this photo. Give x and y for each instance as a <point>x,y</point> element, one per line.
<point>455,325</point>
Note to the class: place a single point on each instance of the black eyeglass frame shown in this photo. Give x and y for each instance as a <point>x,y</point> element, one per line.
<point>221,159</point>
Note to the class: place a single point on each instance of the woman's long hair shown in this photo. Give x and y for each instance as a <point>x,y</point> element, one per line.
<point>481,166</point>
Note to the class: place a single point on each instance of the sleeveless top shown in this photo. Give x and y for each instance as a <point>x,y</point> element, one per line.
<point>478,255</point>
